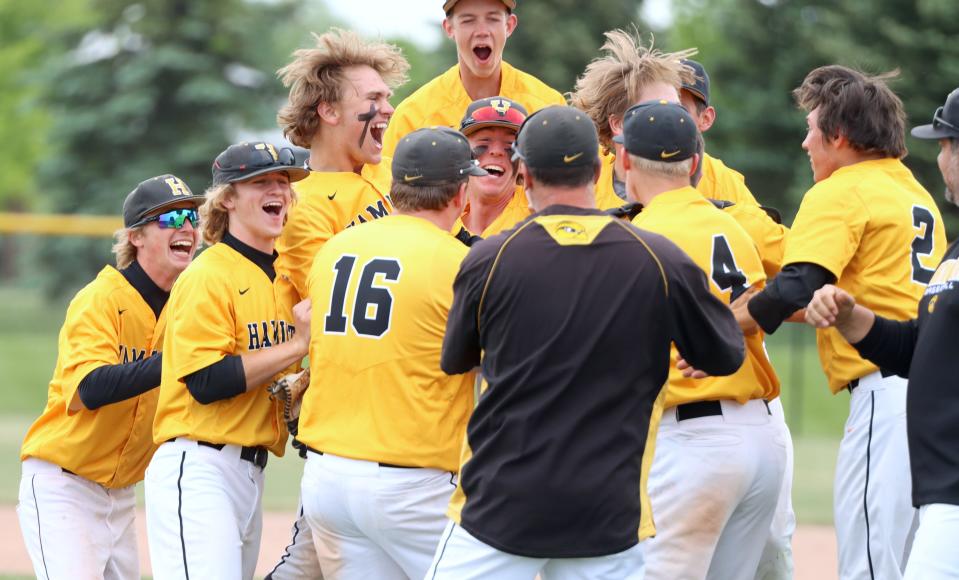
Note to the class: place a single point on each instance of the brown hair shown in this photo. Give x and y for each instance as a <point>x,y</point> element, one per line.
<point>860,107</point>
<point>316,76</point>
<point>124,249</point>
<point>612,83</point>
<point>423,197</point>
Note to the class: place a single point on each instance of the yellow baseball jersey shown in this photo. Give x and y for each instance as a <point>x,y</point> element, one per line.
<point>223,304</point>
<point>329,202</point>
<point>516,211</point>
<point>442,102</point>
<point>606,197</point>
<point>107,323</point>
<point>880,233</point>
<point>381,295</point>
<point>720,182</point>
<point>727,255</point>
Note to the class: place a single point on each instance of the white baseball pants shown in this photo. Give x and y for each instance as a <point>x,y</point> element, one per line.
<point>371,521</point>
<point>776,562</point>
<point>75,528</point>
<point>299,560</point>
<point>461,556</point>
<point>934,555</point>
<point>872,495</point>
<point>204,516</point>
<point>714,486</point>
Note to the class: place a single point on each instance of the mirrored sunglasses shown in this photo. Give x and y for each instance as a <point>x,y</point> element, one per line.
<point>489,114</point>
<point>175,218</point>
<point>938,121</point>
<point>265,159</point>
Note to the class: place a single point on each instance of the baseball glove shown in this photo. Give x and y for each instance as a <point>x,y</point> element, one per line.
<point>289,390</point>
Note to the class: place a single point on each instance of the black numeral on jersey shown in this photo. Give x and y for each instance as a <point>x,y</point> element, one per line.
<point>372,305</point>
<point>725,273</point>
<point>922,244</point>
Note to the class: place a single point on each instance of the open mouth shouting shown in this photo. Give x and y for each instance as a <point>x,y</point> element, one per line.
<point>376,134</point>
<point>483,52</point>
<point>274,208</point>
<point>182,248</point>
<point>494,169</point>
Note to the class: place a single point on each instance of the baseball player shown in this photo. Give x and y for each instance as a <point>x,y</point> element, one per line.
<point>84,454</point>
<point>718,447</point>
<point>231,330</point>
<point>480,29</point>
<point>719,182</point>
<point>628,73</point>
<point>494,202</point>
<point>920,349</point>
<point>338,108</point>
<point>869,227</point>
<point>574,349</point>
<point>383,424</point>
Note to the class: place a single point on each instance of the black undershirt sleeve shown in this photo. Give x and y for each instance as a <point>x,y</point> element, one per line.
<point>221,380</point>
<point>789,291</point>
<point>114,383</point>
<point>890,344</point>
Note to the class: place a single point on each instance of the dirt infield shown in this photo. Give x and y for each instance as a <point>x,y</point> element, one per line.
<point>814,547</point>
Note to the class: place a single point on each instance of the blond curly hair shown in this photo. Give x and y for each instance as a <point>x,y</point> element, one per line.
<point>214,215</point>
<point>316,76</point>
<point>123,248</point>
<point>613,82</point>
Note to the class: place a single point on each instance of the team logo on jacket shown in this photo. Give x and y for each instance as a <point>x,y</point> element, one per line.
<point>570,230</point>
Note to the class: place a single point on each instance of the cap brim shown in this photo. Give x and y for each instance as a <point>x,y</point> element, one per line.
<point>470,129</point>
<point>197,199</point>
<point>295,172</point>
<point>928,132</point>
<point>619,139</point>
<point>696,93</point>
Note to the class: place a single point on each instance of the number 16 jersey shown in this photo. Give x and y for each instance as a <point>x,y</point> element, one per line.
<point>875,228</point>
<point>381,294</point>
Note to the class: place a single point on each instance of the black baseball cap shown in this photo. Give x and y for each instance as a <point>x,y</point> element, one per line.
<point>493,112</point>
<point>945,121</point>
<point>659,131</point>
<point>448,5</point>
<point>433,156</point>
<point>557,136</point>
<point>155,194</point>
<point>700,86</point>
<point>244,160</point>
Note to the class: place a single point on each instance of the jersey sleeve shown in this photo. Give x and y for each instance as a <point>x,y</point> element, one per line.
<point>769,237</point>
<point>89,339</point>
<point>827,228</point>
<point>461,344</point>
<point>201,323</point>
<point>304,234</point>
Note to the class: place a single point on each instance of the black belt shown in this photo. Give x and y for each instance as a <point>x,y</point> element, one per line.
<point>255,455</point>
<point>855,382</point>
<point>703,409</point>
<point>380,463</point>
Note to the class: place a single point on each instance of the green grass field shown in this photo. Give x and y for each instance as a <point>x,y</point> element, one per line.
<point>28,345</point>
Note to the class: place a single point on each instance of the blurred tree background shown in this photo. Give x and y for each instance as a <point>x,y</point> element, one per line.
<point>96,95</point>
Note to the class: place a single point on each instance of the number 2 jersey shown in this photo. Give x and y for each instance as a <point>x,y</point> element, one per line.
<point>730,260</point>
<point>381,294</point>
<point>879,232</point>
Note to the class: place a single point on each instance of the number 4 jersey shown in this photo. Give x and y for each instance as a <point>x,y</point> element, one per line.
<point>880,233</point>
<point>381,294</point>
<point>728,256</point>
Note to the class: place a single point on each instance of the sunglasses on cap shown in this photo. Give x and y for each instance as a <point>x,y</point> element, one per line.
<point>263,158</point>
<point>175,218</point>
<point>938,121</point>
<point>490,115</point>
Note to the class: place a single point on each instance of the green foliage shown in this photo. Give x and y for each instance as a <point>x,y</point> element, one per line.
<point>31,34</point>
<point>757,51</point>
<point>555,39</point>
<point>156,87</point>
